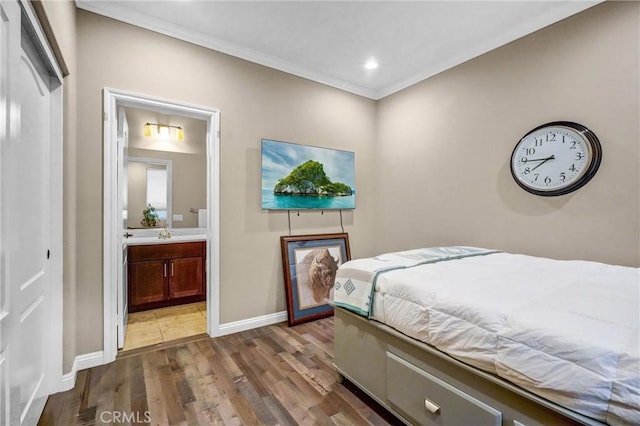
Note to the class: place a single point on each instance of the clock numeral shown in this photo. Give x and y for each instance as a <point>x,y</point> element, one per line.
<point>524,160</point>
<point>538,141</point>
<point>551,137</point>
<point>573,145</point>
<point>572,168</point>
<point>526,170</point>
<point>547,180</point>
<point>537,175</point>
<point>531,151</point>
<point>563,177</point>
<point>578,156</point>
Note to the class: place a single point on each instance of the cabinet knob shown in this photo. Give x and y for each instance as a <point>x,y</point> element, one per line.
<point>431,407</point>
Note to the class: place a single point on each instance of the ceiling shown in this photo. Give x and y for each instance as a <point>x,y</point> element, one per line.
<point>330,41</point>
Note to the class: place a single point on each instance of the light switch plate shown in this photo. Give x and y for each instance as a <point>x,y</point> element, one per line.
<point>178,218</point>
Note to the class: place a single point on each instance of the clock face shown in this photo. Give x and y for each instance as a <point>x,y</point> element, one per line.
<point>556,158</point>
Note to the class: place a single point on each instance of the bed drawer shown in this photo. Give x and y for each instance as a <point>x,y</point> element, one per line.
<point>427,400</point>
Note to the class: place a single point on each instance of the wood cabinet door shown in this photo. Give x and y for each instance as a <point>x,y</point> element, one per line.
<point>186,277</point>
<point>147,282</point>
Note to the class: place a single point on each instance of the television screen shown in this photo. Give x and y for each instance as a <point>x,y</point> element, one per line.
<point>296,177</point>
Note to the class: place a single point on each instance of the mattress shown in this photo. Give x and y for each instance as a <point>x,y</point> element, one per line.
<point>565,330</point>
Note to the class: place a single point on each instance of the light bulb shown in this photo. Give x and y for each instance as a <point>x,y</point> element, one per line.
<point>163,130</point>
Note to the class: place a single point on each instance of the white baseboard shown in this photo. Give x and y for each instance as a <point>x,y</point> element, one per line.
<point>95,359</point>
<point>250,323</point>
<point>81,362</point>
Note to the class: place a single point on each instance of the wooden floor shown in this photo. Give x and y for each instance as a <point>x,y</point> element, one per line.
<point>267,376</point>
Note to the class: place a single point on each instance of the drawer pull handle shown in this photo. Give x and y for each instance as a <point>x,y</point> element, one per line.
<point>431,407</point>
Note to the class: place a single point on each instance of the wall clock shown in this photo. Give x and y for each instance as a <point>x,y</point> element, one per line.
<point>556,158</point>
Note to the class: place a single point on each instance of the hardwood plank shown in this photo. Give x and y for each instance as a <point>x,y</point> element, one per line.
<point>336,404</point>
<point>271,339</point>
<point>258,407</point>
<point>134,374</point>
<point>171,399</point>
<point>279,412</point>
<point>106,392</point>
<point>178,375</point>
<point>285,392</point>
<point>244,410</point>
<point>274,375</point>
<point>123,387</point>
<point>155,399</point>
<point>252,376</point>
<point>265,362</point>
<point>91,382</point>
<point>222,377</point>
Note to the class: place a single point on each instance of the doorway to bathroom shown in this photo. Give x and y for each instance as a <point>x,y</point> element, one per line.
<point>161,227</point>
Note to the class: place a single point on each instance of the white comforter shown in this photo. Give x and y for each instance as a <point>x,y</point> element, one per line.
<point>565,330</point>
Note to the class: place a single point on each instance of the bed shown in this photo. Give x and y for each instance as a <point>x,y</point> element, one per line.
<point>471,336</point>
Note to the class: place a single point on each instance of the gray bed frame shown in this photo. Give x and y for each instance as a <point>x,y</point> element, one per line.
<point>422,385</point>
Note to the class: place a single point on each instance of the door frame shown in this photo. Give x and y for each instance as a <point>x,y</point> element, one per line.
<point>113,98</point>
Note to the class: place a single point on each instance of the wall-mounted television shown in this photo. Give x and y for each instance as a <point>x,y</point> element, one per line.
<point>297,177</point>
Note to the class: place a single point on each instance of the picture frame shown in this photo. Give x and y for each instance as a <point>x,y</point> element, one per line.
<point>309,265</point>
<point>305,177</point>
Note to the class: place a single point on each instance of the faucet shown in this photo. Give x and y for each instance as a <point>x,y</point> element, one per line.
<point>164,234</point>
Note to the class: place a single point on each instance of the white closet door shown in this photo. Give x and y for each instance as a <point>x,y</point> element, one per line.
<point>25,222</point>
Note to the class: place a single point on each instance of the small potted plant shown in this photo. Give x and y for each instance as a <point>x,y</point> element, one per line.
<point>150,218</point>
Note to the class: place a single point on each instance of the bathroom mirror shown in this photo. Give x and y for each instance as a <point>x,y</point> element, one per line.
<point>166,169</point>
<point>149,184</point>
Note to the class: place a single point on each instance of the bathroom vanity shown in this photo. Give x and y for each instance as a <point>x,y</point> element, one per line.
<point>166,274</point>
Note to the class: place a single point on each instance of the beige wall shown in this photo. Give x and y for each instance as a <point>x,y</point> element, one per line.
<point>254,102</point>
<point>432,161</point>
<point>445,145</point>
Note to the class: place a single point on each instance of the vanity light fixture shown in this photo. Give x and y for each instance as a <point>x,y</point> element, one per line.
<point>163,130</point>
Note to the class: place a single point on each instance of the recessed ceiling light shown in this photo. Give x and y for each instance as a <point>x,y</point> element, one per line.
<point>371,64</point>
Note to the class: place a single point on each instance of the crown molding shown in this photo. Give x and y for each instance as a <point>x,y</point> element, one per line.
<point>124,14</point>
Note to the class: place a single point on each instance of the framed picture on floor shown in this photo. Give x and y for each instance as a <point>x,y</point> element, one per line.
<point>309,264</point>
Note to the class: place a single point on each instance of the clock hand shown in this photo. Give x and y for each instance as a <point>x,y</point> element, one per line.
<point>526,160</point>
<point>544,161</point>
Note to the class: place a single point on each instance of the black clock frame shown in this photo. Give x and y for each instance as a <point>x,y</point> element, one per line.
<point>596,159</point>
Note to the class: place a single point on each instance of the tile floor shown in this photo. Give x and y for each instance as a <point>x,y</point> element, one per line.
<point>161,325</point>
